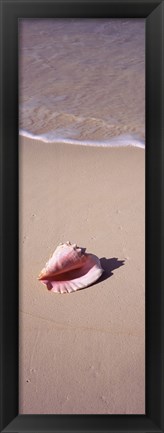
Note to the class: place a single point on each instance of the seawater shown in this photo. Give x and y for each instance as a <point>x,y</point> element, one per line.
<point>82,81</point>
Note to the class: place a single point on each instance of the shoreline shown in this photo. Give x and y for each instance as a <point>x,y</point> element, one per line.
<point>126,140</point>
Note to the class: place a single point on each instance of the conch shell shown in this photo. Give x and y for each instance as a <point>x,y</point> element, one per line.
<point>70,268</point>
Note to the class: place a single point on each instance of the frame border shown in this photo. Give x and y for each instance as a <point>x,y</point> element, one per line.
<point>153,12</point>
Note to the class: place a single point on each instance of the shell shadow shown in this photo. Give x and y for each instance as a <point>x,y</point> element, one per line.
<point>109,265</point>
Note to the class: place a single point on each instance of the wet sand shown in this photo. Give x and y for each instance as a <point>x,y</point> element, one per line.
<point>82,353</point>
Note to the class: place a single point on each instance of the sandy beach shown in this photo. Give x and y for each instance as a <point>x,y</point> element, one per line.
<point>82,353</point>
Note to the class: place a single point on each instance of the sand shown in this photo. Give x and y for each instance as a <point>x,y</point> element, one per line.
<point>82,353</point>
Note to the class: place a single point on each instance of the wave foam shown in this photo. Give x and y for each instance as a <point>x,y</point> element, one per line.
<point>119,141</point>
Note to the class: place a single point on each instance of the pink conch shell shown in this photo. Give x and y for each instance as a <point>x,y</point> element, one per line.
<point>70,268</point>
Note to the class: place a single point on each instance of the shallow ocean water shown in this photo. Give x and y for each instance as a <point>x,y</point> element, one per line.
<point>83,80</point>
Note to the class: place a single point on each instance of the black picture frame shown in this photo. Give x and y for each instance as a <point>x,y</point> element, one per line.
<point>153,12</point>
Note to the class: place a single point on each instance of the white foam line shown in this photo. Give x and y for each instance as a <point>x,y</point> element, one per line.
<point>119,141</point>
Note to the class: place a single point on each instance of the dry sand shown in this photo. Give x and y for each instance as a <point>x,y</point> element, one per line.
<point>82,353</point>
